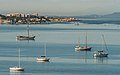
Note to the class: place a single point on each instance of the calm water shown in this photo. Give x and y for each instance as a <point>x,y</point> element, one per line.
<point>61,40</point>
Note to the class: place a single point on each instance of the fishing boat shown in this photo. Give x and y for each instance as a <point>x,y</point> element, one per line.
<point>102,53</point>
<point>17,68</point>
<point>44,57</point>
<point>83,48</point>
<point>25,37</point>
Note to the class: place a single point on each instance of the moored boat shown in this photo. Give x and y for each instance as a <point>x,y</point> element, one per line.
<point>17,68</point>
<point>83,48</point>
<point>102,53</point>
<point>22,37</point>
<point>43,58</point>
<point>25,37</point>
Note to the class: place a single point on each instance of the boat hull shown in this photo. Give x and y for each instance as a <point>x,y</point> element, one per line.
<point>83,49</point>
<point>16,69</point>
<point>25,37</point>
<point>43,59</point>
<point>100,55</point>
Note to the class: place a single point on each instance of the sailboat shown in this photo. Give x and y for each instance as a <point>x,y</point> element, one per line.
<point>102,53</point>
<point>43,58</point>
<point>83,48</point>
<point>17,68</point>
<point>25,37</point>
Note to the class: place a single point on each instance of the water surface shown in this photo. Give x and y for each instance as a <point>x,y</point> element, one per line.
<point>60,40</point>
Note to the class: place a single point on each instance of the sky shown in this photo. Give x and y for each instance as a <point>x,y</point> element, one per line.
<point>60,7</point>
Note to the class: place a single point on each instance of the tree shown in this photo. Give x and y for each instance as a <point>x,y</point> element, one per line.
<point>2,16</point>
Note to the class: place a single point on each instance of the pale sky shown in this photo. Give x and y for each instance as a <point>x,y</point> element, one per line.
<point>60,7</point>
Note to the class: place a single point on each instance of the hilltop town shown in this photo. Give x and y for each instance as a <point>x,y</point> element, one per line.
<point>20,18</point>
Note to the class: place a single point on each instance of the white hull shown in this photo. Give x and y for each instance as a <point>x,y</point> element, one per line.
<point>16,69</point>
<point>22,37</point>
<point>100,54</point>
<point>42,59</point>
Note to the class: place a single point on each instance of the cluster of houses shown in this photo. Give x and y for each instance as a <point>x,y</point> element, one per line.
<point>19,18</point>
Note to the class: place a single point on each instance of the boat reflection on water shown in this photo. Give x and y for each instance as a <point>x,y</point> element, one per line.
<point>15,73</point>
<point>101,60</point>
<point>86,57</point>
<point>83,56</point>
<point>25,40</point>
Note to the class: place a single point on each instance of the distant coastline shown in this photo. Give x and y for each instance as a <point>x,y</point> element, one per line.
<point>19,18</point>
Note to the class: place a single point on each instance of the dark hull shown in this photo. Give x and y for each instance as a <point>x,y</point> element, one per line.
<point>86,49</point>
<point>100,54</point>
<point>83,49</point>
<point>25,37</point>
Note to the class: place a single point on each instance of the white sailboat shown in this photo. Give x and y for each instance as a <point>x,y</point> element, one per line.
<point>102,53</point>
<point>25,37</point>
<point>17,68</point>
<point>43,58</point>
<point>83,48</point>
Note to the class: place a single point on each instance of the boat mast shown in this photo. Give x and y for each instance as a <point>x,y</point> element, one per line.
<point>102,44</point>
<point>86,40</point>
<point>105,43</point>
<point>19,57</point>
<point>45,49</point>
<point>28,26</point>
<point>78,42</point>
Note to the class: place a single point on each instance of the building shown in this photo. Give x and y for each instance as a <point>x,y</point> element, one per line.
<point>15,14</point>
